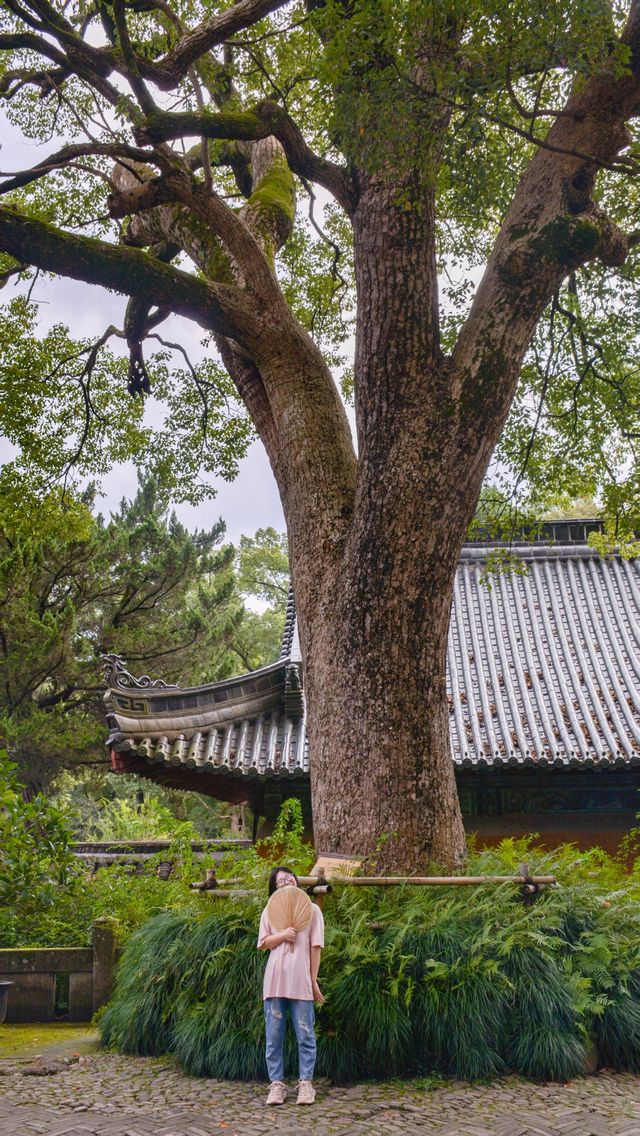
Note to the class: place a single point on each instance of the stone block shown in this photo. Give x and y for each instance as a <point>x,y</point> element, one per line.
<point>31,998</point>
<point>80,997</point>
<point>45,960</point>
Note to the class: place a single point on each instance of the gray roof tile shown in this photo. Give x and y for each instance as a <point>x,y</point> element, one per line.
<point>543,669</point>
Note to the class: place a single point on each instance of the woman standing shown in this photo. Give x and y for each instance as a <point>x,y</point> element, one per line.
<point>290,988</point>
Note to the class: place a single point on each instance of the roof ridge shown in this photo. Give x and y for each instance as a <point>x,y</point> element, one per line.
<point>533,551</point>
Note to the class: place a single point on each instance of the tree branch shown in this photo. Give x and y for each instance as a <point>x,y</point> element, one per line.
<point>92,64</point>
<point>552,227</point>
<point>68,154</point>
<point>219,308</point>
<point>168,71</point>
<point>249,126</point>
<point>130,58</point>
<point>9,41</point>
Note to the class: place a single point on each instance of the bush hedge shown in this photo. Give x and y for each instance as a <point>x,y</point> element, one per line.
<point>58,909</point>
<point>465,982</point>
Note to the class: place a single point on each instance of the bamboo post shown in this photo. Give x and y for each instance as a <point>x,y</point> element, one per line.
<point>435,881</point>
<point>225,893</point>
<point>411,881</point>
<point>318,886</point>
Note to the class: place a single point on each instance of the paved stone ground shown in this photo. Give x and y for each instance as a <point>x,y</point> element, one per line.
<point>112,1095</point>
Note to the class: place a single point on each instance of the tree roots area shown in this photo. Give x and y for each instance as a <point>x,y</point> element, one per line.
<point>466,982</point>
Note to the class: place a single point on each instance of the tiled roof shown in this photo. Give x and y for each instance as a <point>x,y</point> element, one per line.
<point>248,726</point>
<point>543,669</point>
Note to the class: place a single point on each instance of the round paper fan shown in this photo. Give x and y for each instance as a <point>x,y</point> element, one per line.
<point>289,907</point>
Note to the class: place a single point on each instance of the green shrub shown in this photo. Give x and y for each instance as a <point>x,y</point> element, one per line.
<point>52,900</point>
<point>35,856</point>
<point>65,914</point>
<point>454,981</point>
<point>219,1029</point>
<point>617,1030</point>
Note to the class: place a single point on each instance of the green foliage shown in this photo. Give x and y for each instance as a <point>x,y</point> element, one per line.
<point>63,914</point>
<point>76,586</point>
<point>48,897</point>
<point>101,805</point>
<point>286,845</point>
<point>263,567</point>
<point>289,827</point>
<point>121,820</point>
<point>315,276</point>
<point>575,420</point>
<point>217,1033</point>
<point>355,80</point>
<point>427,981</point>
<point>35,856</point>
<point>67,410</point>
<point>263,577</point>
<point>148,976</point>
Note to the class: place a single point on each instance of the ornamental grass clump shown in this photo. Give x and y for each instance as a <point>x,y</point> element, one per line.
<point>141,1017</point>
<point>218,1031</point>
<point>459,981</point>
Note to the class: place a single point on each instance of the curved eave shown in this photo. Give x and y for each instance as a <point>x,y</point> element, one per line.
<point>137,712</point>
<point>269,742</point>
<point>295,772</point>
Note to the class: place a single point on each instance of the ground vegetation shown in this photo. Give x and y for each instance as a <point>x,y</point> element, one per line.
<point>420,982</point>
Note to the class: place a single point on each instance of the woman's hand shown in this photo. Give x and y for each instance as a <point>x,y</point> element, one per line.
<point>289,936</point>
<point>318,996</point>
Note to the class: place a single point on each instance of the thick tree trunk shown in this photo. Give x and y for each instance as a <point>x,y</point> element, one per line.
<point>382,775</point>
<point>381,767</point>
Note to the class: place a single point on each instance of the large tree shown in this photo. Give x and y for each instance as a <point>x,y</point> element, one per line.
<point>263,578</point>
<point>442,130</point>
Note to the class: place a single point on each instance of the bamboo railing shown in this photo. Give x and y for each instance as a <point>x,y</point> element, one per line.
<point>320,886</point>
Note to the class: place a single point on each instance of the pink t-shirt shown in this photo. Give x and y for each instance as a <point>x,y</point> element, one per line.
<point>288,973</point>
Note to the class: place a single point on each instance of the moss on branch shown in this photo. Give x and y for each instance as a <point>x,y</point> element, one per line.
<point>239,126</point>
<point>127,270</point>
<point>568,240</point>
<point>272,204</point>
<point>265,119</point>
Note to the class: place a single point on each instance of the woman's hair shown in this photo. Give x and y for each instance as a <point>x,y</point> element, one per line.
<point>274,875</point>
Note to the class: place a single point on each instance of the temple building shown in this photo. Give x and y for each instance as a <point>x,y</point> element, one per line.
<point>544,702</point>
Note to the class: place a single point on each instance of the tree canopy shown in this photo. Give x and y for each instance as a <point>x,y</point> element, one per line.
<point>330,82</point>
<point>263,579</point>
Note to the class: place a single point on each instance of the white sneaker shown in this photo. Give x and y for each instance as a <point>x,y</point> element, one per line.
<point>277,1093</point>
<point>306,1092</point>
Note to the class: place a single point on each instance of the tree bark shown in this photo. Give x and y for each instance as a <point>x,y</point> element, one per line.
<point>375,672</point>
<point>382,776</point>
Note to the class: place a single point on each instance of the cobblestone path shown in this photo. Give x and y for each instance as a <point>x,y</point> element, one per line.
<point>112,1095</point>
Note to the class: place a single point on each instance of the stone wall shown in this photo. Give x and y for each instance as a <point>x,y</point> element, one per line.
<point>70,982</point>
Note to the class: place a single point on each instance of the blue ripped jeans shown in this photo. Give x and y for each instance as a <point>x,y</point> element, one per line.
<point>302,1017</point>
